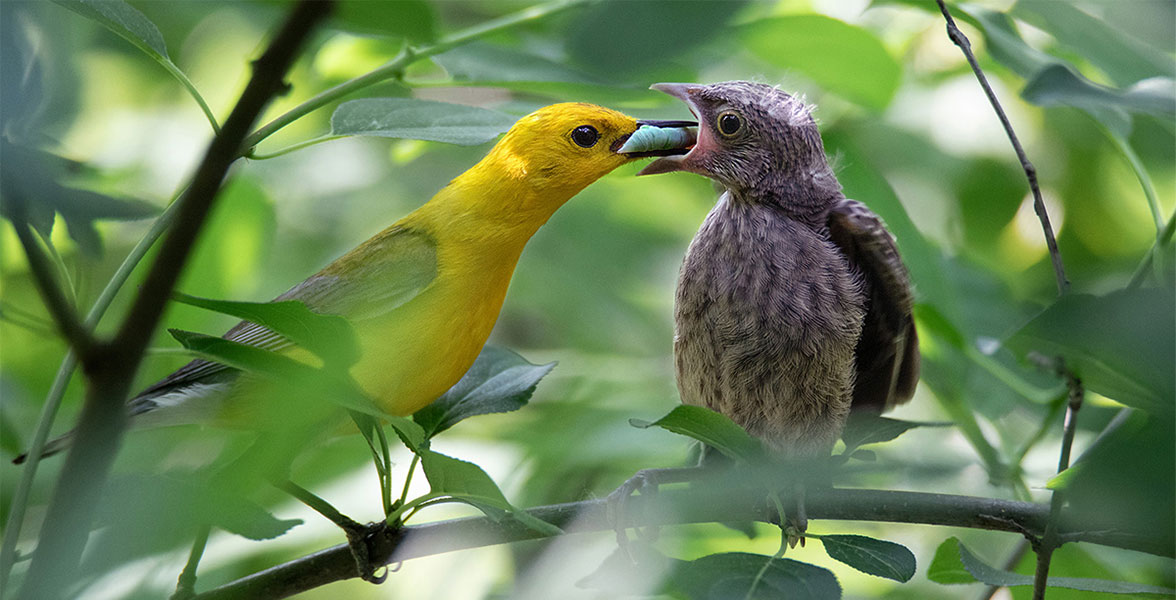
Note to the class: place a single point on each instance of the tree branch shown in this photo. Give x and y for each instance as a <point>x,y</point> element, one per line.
<point>961,40</point>
<point>103,418</point>
<point>1051,540</point>
<point>698,504</point>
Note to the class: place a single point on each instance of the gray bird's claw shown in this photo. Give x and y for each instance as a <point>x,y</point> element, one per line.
<point>617,506</point>
<point>358,538</point>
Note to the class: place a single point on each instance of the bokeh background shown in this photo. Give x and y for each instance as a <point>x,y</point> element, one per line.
<point>904,121</point>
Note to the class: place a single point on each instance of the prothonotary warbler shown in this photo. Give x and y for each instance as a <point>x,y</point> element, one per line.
<point>424,293</point>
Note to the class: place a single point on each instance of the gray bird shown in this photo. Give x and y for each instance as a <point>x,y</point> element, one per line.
<point>793,305</point>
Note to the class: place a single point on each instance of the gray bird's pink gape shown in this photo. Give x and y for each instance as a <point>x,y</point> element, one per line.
<point>793,306</point>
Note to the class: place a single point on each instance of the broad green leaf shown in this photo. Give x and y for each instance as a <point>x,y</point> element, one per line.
<point>329,337</point>
<point>499,381</point>
<point>468,483</point>
<point>1058,84</point>
<point>868,428</point>
<point>710,428</point>
<point>946,567</point>
<point>126,21</point>
<point>496,66</point>
<point>412,19</point>
<point>731,575</point>
<point>1118,53</point>
<point>844,59</point>
<point>872,556</point>
<point>1121,345</point>
<point>413,119</point>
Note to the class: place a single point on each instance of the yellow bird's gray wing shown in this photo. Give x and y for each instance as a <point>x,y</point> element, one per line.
<point>380,275</point>
<point>887,353</point>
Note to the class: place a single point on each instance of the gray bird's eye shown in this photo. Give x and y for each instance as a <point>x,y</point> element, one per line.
<point>729,123</point>
<point>585,136</point>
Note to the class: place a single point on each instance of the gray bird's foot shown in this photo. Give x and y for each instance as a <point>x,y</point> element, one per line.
<point>645,482</point>
<point>797,524</point>
<point>358,541</point>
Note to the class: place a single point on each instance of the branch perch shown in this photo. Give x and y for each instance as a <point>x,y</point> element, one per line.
<point>673,507</point>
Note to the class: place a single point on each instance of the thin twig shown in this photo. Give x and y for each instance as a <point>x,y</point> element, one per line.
<point>103,419</point>
<point>961,40</point>
<point>186,583</point>
<point>1162,240</point>
<point>701,504</point>
<point>1051,540</point>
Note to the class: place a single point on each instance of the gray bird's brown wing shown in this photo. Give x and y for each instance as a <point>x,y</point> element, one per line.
<point>888,351</point>
<point>395,267</point>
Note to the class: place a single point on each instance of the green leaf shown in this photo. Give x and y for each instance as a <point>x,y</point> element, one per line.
<point>1121,345</point>
<point>1059,84</point>
<point>412,19</point>
<point>125,20</point>
<point>954,563</point>
<point>328,337</point>
<point>467,482</point>
<point>946,567</point>
<point>711,428</point>
<point>498,381</point>
<point>844,59</point>
<point>1118,53</point>
<point>731,575</point>
<point>413,119</point>
<point>868,428</point>
<point>408,431</point>
<point>872,556</point>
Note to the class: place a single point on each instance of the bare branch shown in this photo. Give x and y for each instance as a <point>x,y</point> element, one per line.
<point>961,40</point>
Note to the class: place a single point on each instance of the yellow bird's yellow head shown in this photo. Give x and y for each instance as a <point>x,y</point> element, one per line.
<point>551,154</point>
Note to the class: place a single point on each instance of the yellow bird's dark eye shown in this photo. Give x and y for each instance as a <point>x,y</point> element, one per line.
<point>585,136</point>
<point>729,123</point>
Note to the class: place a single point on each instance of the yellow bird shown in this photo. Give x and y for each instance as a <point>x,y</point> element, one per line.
<point>424,294</point>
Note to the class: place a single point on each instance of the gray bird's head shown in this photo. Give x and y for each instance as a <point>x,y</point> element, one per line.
<point>754,139</point>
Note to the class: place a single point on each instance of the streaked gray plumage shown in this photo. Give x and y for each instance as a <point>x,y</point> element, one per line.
<point>792,305</point>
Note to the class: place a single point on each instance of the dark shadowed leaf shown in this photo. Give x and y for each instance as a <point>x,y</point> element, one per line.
<point>711,428</point>
<point>873,556</point>
<point>731,575</point>
<point>867,428</point>
<point>1122,345</point>
<point>499,381</point>
<point>412,19</point>
<point>329,337</point>
<point>496,66</point>
<point>1059,84</point>
<point>844,59</point>
<point>413,119</point>
<point>637,567</point>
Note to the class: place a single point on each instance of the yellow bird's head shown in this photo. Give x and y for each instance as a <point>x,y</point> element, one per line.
<point>551,154</point>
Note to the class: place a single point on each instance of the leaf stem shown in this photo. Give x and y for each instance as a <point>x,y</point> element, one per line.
<point>394,69</point>
<point>294,147</point>
<point>192,91</point>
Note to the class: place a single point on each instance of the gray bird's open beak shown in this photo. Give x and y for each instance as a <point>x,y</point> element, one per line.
<point>680,161</point>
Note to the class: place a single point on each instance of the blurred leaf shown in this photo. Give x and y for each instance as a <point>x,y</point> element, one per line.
<point>22,76</point>
<point>126,21</point>
<point>276,367</point>
<point>1118,53</point>
<point>1127,479</point>
<point>419,120</point>
<point>869,428</point>
<point>1005,44</point>
<point>629,570</point>
<point>872,556</point>
<point>709,427</point>
<point>329,337</point>
<point>622,38</point>
<point>412,19</point>
<point>845,59</point>
<point>1058,84</point>
<point>954,563</point>
<point>498,381</point>
<point>31,177</point>
<point>1121,345</point>
<point>730,576</point>
<point>468,483</point>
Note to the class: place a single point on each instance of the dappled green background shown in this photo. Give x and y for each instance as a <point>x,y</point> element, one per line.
<point>910,133</point>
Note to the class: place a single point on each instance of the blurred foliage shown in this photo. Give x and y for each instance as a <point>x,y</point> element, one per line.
<point>92,122</point>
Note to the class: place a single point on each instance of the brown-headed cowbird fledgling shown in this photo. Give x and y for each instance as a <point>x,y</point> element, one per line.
<point>793,305</point>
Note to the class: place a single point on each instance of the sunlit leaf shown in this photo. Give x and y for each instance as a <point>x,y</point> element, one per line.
<point>845,59</point>
<point>954,563</point>
<point>709,427</point>
<point>499,381</point>
<point>413,119</point>
<point>468,483</point>
<point>872,556</point>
